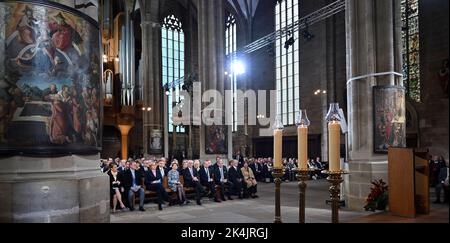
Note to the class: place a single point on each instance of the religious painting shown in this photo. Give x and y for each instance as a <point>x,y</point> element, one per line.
<point>389,118</point>
<point>156,141</point>
<point>216,138</point>
<point>50,80</point>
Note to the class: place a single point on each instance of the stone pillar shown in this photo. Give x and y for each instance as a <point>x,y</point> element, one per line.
<point>49,159</point>
<point>151,66</point>
<point>211,58</point>
<point>372,48</point>
<point>124,130</point>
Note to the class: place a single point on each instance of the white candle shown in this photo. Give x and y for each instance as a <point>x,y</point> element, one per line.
<point>302,147</point>
<point>278,149</point>
<point>334,139</point>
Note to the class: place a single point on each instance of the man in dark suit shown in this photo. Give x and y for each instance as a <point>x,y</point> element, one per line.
<point>221,179</point>
<point>206,179</point>
<point>235,177</point>
<point>191,179</point>
<point>154,182</point>
<point>257,169</point>
<point>163,170</point>
<point>240,160</point>
<point>134,183</point>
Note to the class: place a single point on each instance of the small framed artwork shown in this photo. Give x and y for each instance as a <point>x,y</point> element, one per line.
<point>389,118</point>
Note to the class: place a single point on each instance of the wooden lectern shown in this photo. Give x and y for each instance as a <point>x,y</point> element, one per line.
<point>408,182</point>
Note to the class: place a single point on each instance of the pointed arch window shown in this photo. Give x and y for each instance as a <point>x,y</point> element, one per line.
<point>411,48</point>
<point>173,45</point>
<point>287,63</point>
<point>230,50</point>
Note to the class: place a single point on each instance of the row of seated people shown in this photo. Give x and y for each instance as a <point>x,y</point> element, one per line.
<point>217,181</point>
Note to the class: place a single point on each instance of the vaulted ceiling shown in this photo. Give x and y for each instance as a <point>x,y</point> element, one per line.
<point>245,7</point>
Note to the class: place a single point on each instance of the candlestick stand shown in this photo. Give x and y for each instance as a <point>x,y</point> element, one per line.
<point>335,179</point>
<point>303,176</point>
<point>277,174</point>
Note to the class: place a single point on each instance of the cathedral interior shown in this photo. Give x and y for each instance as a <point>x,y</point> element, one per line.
<point>85,84</point>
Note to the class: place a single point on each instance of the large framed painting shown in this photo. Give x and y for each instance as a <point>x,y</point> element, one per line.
<point>50,80</point>
<point>389,118</point>
<point>216,140</point>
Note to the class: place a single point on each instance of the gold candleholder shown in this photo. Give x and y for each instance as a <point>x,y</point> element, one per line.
<point>335,179</point>
<point>277,174</point>
<point>303,176</point>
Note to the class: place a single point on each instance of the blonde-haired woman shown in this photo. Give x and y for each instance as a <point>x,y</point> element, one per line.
<point>249,181</point>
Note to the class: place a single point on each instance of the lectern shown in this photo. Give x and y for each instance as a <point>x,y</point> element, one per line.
<point>408,182</point>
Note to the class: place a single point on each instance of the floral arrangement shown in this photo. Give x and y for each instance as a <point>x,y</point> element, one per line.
<point>378,198</point>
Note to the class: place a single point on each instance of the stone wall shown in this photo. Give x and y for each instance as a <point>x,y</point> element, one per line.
<point>434,47</point>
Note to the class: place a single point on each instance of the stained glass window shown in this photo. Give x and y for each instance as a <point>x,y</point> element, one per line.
<point>287,63</point>
<point>173,62</point>
<point>230,50</point>
<point>411,48</point>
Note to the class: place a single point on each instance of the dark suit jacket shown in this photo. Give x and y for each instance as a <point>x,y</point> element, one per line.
<point>188,180</point>
<point>166,170</point>
<point>217,174</point>
<point>128,179</point>
<point>150,177</point>
<point>442,174</point>
<point>111,180</point>
<point>234,175</point>
<point>204,176</point>
<point>256,167</point>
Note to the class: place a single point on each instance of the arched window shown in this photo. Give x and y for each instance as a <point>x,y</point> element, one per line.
<point>173,62</point>
<point>287,62</point>
<point>230,50</point>
<point>411,48</point>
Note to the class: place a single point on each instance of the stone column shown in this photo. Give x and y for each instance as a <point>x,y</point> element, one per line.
<point>49,173</point>
<point>151,66</point>
<point>372,47</point>
<point>211,57</point>
<point>124,130</point>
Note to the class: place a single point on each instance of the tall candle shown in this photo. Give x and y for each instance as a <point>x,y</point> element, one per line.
<point>278,148</point>
<point>302,132</point>
<point>334,139</point>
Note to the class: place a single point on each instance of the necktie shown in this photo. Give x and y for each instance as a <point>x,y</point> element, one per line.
<point>221,174</point>
<point>134,178</point>
<point>207,173</point>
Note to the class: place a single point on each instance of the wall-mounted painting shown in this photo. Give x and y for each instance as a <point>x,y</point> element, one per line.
<point>156,141</point>
<point>389,118</point>
<point>216,140</point>
<point>50,80</point>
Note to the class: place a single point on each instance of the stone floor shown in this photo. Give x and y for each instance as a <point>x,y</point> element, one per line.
<point>261,210</point>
